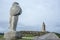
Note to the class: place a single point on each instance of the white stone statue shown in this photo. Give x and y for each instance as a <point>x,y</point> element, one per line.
<point>15,11</point>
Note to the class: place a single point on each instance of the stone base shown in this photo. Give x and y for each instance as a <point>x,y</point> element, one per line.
<point>12,35</point>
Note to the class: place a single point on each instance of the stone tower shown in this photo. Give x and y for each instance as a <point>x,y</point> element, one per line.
<point>43,27</point>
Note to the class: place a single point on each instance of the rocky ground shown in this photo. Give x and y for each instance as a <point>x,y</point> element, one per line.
<point>48,36</point>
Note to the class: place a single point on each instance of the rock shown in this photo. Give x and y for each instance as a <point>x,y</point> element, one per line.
<point>49,36</point>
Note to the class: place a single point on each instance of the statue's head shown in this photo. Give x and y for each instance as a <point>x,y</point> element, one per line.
<point>15,9</point>
<point>15,3</point>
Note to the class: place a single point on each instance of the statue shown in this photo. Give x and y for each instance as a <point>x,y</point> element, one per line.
<point>15,11</point>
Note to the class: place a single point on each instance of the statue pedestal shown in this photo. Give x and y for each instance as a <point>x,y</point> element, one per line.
<point>12,35</point>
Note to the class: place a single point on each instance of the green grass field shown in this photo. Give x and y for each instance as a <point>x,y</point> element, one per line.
<point>23,38</point>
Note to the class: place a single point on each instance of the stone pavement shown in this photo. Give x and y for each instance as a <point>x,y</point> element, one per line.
<point>49,36</point>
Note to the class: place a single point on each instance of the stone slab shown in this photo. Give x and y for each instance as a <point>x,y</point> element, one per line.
<point>11,35</point>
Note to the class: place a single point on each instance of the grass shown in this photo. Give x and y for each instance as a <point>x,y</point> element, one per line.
<point>1,37</point>
<point>26,38</point>
<point>23,38</point>
<point>58,34</point>
<point>28,35</point>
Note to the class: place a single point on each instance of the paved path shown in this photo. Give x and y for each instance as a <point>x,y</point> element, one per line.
<point>49,36</point>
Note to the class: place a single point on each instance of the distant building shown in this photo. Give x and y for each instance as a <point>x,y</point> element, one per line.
<point>43,27</point>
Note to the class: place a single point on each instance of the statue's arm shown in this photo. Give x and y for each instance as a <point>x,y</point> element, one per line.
<point>19,12</point>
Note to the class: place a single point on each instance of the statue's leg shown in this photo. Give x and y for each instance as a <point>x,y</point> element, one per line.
<point>10,23</point>
<point>14,22</point>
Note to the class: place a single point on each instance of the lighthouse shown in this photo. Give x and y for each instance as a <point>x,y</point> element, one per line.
<point>43,27</point>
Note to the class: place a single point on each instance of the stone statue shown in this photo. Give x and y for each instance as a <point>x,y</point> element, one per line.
<point>15,11</point>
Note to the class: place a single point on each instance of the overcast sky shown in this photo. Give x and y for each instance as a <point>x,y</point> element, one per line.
<point>34,12</point>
